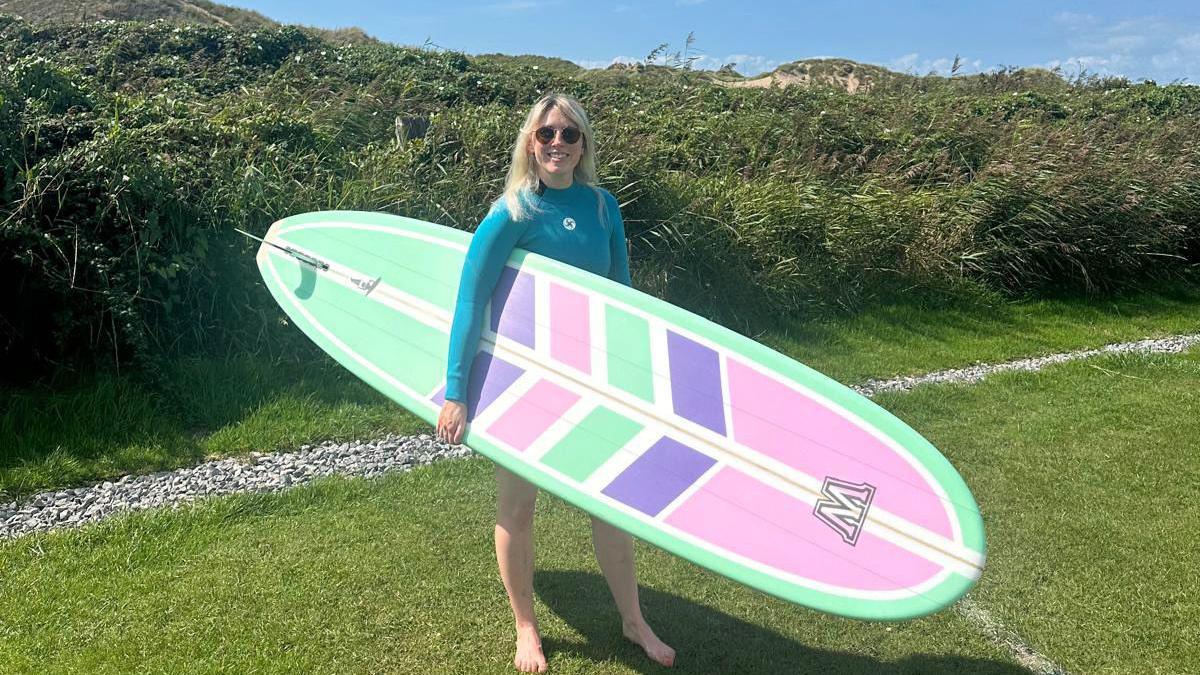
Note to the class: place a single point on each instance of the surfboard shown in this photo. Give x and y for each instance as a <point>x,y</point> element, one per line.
<point>683,433</point>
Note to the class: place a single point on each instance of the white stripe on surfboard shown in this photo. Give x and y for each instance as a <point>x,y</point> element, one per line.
<point>598,341</point>
<point>726,401</point>
<point>692,489</point>
<point>622,458</point>
<point>505,401</point>
<point>555,432</point>
<point>346,225</point>
<point>577,412</point>
<point>663,401</point>
<point>659,378</point>
<point>908,530</point>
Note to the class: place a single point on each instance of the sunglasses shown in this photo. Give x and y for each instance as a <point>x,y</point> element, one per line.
<point>545,135</point>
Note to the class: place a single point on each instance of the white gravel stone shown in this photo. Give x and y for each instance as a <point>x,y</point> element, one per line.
<point>259,472</point>
<point>1168,345</point>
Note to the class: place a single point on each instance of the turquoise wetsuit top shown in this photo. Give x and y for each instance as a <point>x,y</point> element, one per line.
<point>562,224</point>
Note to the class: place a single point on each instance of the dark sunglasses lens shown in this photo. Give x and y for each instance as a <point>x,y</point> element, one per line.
<point>544,135</point>
<point>570,135</point>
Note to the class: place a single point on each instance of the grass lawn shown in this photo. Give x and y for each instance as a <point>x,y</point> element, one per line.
<point>898,339</point>
<point>358,576</point>
<point>104,426</point>
<point>1087,474</point>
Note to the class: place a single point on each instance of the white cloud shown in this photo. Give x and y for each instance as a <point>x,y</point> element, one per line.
<point>905,63</point>
<point>592,64</point>
<point>1153,47</point>
<point>944,65</point>
<point>518,5</point>
<point>746,64</point>
<point>1074,20</point>
<point>1189,42</point>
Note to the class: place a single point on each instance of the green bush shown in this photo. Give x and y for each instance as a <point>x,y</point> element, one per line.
<point>132,150</point>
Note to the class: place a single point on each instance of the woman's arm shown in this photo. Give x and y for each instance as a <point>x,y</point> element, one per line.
<point>490,247</point>
<point>618,249</point>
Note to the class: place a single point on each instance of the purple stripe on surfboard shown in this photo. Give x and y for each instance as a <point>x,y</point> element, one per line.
<point>660,475</point>
<point>490,376</point>
<point>696,382</point>
<point>773,418</point>
<point>512,306</point>
<point>743,515</point>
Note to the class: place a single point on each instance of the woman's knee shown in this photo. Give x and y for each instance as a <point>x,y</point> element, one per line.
<point>516,499</point>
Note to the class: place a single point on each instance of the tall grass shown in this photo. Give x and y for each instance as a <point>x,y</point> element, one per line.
<point>131,151</point>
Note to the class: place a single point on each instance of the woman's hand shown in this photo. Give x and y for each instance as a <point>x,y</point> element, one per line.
<point>452,422</point>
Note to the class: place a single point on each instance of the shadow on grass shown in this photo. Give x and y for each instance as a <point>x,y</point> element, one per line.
<point>94,426</point>
<point>709,641</point>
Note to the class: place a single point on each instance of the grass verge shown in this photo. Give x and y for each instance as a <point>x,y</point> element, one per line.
<point>1086,475</point>
<point>399,575</point>
<point>104,425</point>
<point>1089,480</point>
<point>903,339</point>
<point>1085,472</point>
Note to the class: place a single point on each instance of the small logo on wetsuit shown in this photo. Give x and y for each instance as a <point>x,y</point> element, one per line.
<point>569,223</point>
<point>843,507</point>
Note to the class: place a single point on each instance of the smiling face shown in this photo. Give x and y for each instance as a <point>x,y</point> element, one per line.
<point>557,159</point>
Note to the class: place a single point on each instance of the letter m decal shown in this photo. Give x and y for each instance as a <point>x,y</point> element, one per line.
<point>843,507</point>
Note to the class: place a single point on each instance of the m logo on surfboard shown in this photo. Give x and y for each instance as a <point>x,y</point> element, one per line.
<point>844,507</point>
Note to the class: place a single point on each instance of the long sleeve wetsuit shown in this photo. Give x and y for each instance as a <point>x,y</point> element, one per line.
<point>565,225</point>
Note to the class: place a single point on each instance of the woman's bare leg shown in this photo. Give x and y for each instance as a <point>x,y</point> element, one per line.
<point>614,552</point>
<point>515,499</point>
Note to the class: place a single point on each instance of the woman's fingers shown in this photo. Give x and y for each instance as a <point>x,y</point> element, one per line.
<point>451,423</point>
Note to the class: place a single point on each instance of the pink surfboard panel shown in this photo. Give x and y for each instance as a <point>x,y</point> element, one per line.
<point>780,422</point>
<point>533,414</point>
<point>745,516</point>
<point>570,328</point>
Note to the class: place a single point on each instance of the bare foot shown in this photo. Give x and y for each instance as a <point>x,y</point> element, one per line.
<point>529,658</point>
<point>645,638</point>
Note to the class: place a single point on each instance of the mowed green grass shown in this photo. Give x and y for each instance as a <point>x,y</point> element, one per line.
<point>399,575</point>
<point>104,426</point>
<point>1086,474</point>
<point>902,339</point>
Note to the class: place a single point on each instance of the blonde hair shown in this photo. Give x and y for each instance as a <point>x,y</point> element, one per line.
<point>521,184</point>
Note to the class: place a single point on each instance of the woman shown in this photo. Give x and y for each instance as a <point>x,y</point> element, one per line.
<point>550,206</point>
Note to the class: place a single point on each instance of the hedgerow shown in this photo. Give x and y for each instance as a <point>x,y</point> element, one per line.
<point>131,151</point>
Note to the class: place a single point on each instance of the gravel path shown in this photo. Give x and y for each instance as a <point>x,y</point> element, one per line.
<point>257,473</point>
<point>278,471</point>
<point>1168,345</point>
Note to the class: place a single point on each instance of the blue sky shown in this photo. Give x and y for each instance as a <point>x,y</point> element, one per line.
<point>1146,40</point>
